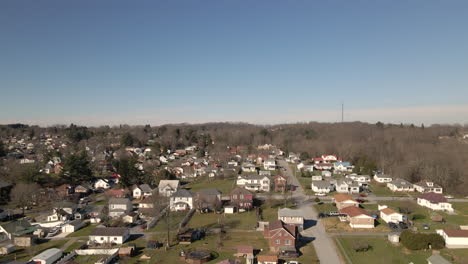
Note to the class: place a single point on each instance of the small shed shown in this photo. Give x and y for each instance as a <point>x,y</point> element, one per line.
<point>7,249</point>
<point>394,238</point>
<point>230,209</point>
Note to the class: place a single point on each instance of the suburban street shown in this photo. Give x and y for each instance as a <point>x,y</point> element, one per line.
<point>313,230</point>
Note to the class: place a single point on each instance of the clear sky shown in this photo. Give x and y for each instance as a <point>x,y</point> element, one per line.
<point>151,62</point>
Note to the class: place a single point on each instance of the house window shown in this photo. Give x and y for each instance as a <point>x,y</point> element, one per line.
<point>277,241</point>
<point>234,196</point>
<point>287,242</point>
<point>115,238</point>
<point>102,238</point>
<point>241,196</point>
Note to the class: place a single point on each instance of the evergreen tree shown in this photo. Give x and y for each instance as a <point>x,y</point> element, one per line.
<point>76,169</point>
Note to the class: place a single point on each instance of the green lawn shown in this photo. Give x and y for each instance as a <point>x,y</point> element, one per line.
<point>309,256</point>
<point>382,251</point>
<point>269,214</point>
<point>174,219</point>
<point>243,221</point>
<point>305,182</point>
<point>225,186</point>
<point>75,245</point>
<point>457,256</point>
<point>83,231</point>
<point>325,208</point>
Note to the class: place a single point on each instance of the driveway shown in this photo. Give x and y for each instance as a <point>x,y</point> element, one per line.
<point>313,230</point>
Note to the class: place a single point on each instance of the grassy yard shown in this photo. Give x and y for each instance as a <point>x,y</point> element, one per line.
<point>243,221</point>
<point>457,256</point>
<point>83,231</point>
<point>382,251</point>
<point>225,250</point>
<point>174,219</point>
<point>308,255</point>
<point>380,189</point>
<point>269,214</point>
<point>334,225</point>
<point>225,185</point>
<point>325,208</point>
<point>24,254</point>
<point>423,215</point>
<point>305,182</point>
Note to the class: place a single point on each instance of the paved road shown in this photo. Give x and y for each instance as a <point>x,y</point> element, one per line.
<point>324,246</point>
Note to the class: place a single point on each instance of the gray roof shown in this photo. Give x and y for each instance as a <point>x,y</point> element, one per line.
<point>402,183</point>
<point>47,253</point>
<point>18,227</point>
<point>182,193</point>
<point>285,212</point>
<point>437,259</point>
<point>145,188</point>
<point>109,231</point>
<point>171,183</point>
<point>253,177</point>
<point>321,184</point>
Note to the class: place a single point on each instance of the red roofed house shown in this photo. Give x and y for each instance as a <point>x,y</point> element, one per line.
<point>344,200</point>
<point>281,183</point>
<point>454,238</point>
<point>241,198</point>
<point>357,217</point>
<point>267,259</point>
<point>434,201</point>
<point>281,236</point>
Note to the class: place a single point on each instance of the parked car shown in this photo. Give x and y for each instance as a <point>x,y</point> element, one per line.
<point>334,213</point>
<point>426,227</point>
<point>320,194</point>
<point>363,195</point>
<point>394,227</point>
<point>361,200</point>
<point>403,225</point>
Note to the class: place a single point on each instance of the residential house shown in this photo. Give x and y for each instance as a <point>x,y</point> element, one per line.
<point>454,238</point>
<point>346,186</point>
<point>117,193</point>
<point>267,259</point>
<point>109,235</point>
<point>400,185</point>
<point>141,191</point>
<point>359,178</point>
<point>357,217</point>
<point>15,228</point>
<point>281,183</point>
<point>269,164</point>
<point>246,252</point>
<point>344,200</point>
<point>47,256</point>
<point>208,200</point>
<point>254,182</point>
<point>326,173</point>
<point>241,198</point>
<point>83,189</point>
<point>130,218</point>
<point>181,200</point>
<point>281,236</point>
<point>329,158</point>
<point>389,215</point>
<point>291,217</point>
<point>264,173</point>
<point>72,226</point>
<point>434,201</point>
<point>168,187</point>
<point>427,186</point>
<point>119,207</point>
<point>64,190</point>
<point>342,166</point>
<point>323,166</point>
<point>248,167</point>
<point>322,186</point>
<point>102,184</point>
<point>382,178</point>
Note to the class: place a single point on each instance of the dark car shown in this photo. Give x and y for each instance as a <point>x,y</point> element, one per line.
<point>403,225</point>
<point>361,200</point>
<point>322,215</point>
<point>393,226</point>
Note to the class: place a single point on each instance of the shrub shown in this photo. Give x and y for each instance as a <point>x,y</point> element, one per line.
<point>418,217</point>
<point>418,241</point>
<point>317,200</point>
<point>361,246</point>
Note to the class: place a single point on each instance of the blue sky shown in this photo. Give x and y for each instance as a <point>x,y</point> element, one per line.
<point>138,62</point>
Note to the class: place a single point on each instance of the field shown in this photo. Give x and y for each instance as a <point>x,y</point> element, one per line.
<point>26,253</point>
<point>174,219</point>
<point>243,221</point>
<point>225,186</point>
<point>382,251</point>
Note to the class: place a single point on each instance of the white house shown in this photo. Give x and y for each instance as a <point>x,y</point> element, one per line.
<point>119,207</point>
<point>359,178</point>
<point>181,200</point>
<point>323,166</point>
<point>317,177</point>
<point>269,164</point>
<point>141,191</point>
<point>346,186</point>
<point>102,184</point>
<point>48,256</point>
<point>390,215</point>
<point>329,158</point>
<point>109,235</point>
<point>434,201</point>
<point>427,186</point>
<point>291,216</point>
<point>72,226</point>
<point>254,182</point>
<point>400,185</point>
<point>341,166</point>
<point>248,167</point>
<point>322,186</point>
<point>168,187</point>
<point>326,173</point>
<point>382,178</point>
<point>454,238</point>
